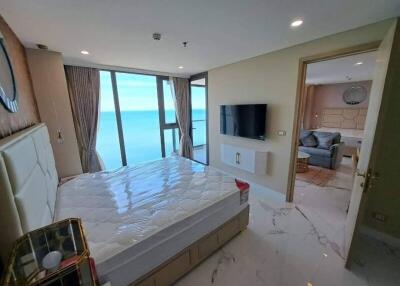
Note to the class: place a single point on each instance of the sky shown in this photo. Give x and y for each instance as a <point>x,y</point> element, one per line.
<point>139,92</point>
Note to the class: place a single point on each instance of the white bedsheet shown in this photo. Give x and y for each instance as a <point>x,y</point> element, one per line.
<point>123,209</point>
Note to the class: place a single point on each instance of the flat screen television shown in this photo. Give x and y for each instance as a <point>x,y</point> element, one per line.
<point>244,120</point>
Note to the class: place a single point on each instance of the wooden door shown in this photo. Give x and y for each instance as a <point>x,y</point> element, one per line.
<point>383,89</point>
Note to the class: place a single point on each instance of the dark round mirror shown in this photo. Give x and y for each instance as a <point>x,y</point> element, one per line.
<point>355,95</point>
<point>8,89</point>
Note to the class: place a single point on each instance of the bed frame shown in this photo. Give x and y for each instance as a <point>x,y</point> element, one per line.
<point>28,188</point>
<point>183,262</point>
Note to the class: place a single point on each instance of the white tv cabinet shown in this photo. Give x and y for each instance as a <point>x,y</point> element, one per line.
<point>246,159</point>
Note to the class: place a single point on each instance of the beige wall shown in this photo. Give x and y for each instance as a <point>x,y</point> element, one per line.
<point>271,79</point>
<point>49,83</point>
<point>27,113</point>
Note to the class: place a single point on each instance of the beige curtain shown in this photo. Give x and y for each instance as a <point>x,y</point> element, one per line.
<point>84,93</point>
<point>308,106</point>
<point>180,93</point>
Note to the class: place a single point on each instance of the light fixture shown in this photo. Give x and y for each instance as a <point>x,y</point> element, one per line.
<point>309,284</point>
<point>358,63</point>
<point>84,52</point>
<point>180,67</point>
<point>296,23</point>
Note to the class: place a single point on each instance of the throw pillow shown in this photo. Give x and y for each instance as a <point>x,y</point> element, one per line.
<point>303,134</point>
<point>325,139</point>
<point>309,141</point>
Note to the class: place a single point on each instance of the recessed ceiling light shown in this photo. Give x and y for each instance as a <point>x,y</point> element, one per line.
<point>296,23</point>
<point>180,67</point>
<point>84,52</point>
<point>358,64</point>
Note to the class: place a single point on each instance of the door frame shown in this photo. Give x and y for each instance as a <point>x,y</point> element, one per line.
<point>300,100</point>
<point>192,78</point>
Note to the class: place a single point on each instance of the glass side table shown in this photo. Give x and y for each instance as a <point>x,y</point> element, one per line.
<point>25,264</point>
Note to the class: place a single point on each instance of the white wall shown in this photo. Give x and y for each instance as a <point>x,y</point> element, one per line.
<point>271,79</point>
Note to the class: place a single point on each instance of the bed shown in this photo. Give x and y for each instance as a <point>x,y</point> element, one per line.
<point>145,225</point>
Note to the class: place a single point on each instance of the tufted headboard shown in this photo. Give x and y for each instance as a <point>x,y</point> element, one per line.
<point>28,184</point>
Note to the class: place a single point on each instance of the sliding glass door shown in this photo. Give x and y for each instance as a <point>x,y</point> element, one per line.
<point>199,118</point>
<point>137,120</point>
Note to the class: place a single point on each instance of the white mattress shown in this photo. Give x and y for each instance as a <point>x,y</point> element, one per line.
<point>137,217</point>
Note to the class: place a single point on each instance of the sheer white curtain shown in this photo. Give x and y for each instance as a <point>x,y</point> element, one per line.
<point>180,94</point>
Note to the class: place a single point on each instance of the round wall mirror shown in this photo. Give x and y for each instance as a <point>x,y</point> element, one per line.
<point>355,95</point>
<point>8,88</point>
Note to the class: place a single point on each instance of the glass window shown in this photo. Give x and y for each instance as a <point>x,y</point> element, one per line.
<point>169,106</point>
<point>107,144</point>
<point>199,115</point>
<point>138,103</point>
<point>171,139</point>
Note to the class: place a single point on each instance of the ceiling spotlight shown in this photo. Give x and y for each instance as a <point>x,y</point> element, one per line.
<point>180,67</point>
<point>84,52</point>
<point>358,64</point>
<point>296,23</point>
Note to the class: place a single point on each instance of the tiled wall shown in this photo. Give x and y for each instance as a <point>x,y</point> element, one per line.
<point>353,118</point>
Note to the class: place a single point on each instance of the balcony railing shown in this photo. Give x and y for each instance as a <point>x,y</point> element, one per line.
<point>199,132</point>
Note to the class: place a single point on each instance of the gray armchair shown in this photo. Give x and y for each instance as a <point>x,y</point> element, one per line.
<point>324,148</point>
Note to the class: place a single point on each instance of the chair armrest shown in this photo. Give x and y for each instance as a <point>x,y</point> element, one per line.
<point>337,151</point>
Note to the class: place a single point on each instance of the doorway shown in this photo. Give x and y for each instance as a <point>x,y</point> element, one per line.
<point>373,216</point>
<point>332,121</point>
<point>199,117</point>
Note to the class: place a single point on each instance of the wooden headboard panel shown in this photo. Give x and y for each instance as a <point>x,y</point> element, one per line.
<point>348,118</point>
<point>28,184</point>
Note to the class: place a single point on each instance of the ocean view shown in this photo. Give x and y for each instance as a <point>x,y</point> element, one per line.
<point>141,130</point>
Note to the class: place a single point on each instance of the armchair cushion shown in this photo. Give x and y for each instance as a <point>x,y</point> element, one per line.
<point>309,141</point>
<point>326,139</point>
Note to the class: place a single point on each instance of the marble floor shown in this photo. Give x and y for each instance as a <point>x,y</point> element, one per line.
<point>283,245</point>
<point>200,154</point>
<point>324,197</point>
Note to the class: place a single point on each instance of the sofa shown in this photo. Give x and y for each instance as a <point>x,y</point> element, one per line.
<point>324,148</point>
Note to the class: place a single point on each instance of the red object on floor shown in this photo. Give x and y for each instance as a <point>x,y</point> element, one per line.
<point>243,186</point>
<point>93,270</point>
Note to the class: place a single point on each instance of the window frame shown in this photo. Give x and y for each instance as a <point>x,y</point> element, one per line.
<point>161,111</point>
<point>193,78</point>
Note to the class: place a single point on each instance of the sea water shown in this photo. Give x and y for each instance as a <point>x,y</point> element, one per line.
<point>141,134</point>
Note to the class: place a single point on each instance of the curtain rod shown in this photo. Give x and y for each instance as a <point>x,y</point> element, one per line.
<point>122,69</point>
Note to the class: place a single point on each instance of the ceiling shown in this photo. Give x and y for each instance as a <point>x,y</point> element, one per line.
<point>345,69</point>
<point>119,32</point>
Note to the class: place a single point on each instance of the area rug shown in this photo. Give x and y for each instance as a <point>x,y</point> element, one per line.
<point>316,175</point>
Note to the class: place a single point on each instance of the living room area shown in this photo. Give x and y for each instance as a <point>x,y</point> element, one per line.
<point>332,118</point>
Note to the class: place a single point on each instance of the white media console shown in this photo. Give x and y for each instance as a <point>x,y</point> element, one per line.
<point>247,159</point>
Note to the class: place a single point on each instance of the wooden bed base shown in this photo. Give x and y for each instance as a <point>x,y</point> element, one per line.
<point>183,262</point>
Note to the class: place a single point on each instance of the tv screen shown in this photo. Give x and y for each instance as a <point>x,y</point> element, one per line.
<point>245,120</point>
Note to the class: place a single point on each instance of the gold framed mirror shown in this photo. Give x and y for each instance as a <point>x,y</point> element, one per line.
<point>8,87</point>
